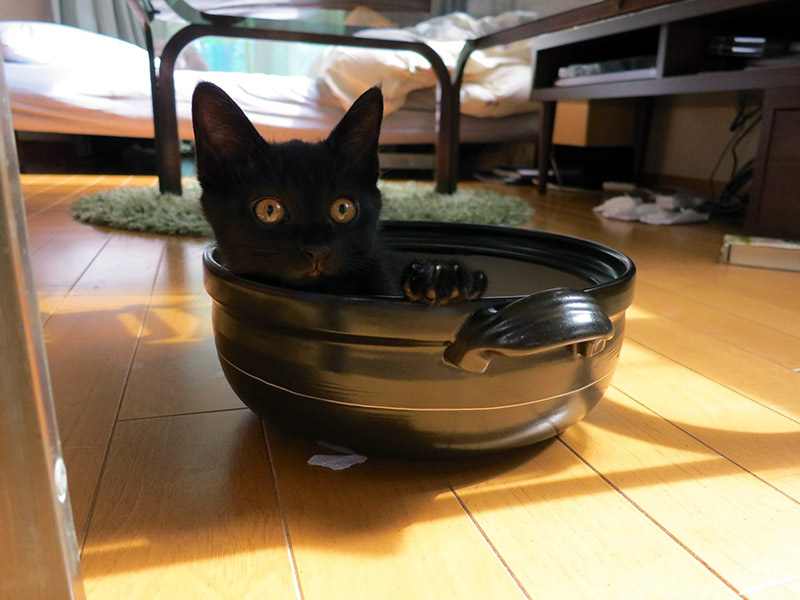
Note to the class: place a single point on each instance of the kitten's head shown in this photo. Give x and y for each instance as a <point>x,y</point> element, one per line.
<point>295,212</point>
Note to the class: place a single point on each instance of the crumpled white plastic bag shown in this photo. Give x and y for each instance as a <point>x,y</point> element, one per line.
<point>631,208</point>
<point>674,217</point>
<point>622,207</point>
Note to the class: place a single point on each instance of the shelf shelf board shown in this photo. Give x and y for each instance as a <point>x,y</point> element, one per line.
<point>712,81</point>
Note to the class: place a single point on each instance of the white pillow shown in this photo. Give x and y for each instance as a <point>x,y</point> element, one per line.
<point>35,42</point>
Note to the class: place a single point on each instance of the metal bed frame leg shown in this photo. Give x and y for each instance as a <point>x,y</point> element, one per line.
<point>447,120</point>
<point>38,546</point>
<point>448,115</point>
<point>165,121</point>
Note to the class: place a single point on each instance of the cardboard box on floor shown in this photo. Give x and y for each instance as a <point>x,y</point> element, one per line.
<point>594,123</point>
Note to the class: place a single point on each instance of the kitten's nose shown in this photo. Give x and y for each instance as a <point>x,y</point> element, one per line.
<point>316,253</point>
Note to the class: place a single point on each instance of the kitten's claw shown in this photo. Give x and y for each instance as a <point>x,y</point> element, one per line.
<point>440,283</point>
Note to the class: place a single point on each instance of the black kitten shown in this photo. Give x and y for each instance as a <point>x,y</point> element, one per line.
<point>305,215</point>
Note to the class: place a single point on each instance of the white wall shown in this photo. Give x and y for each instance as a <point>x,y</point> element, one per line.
<point>26,10</point>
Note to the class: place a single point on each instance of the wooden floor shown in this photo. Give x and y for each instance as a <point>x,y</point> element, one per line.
<point>683,483</point>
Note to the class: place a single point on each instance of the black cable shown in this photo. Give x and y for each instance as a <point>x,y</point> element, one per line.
<point>739,122</point>
<point>741,137</point>
<point>741,118</point>
<point>734,197</point>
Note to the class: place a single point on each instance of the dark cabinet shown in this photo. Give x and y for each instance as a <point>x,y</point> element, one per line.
<point>775,199</point>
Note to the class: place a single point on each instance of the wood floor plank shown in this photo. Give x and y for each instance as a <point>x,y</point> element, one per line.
<point>780,315</point>
<point>43,184</point>
<point>750,434</point>
<point>739,526</point>
<point>60,248</point>
<point>571,213</point>
<point>49,213</point>
<point>66,191</point>
<point>52,222</point>
<point>772,316</point>
<point>30,179</point>
<point>34,192</point>
<point>187,510</point>
<point>90,342</point>
<point>789,590</point>
<point>566,533</point>
<point>49,299</point>
<point>770,344</point>
<point>682,479</point>
<point>57,221</point>
<point>684,259</point>
<point>381,529</point>
<point>669,265</point>
<point>758,378</point>
<point>764,285</point>
<point>177,344</point>
<point>63,259</point>
<point>41,178</point>
<point>762,295</point>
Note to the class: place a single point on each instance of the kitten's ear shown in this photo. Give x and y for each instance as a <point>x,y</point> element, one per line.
<point>224,136</point>
<point>355,138</point>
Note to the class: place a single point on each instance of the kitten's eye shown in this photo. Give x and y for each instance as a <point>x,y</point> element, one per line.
<point>343,210</point>
<point>269,210</point>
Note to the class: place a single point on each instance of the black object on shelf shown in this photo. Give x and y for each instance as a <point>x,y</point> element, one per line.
<point>748,46</point>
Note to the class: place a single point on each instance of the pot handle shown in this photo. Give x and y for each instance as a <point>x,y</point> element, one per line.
<point>536,323</point>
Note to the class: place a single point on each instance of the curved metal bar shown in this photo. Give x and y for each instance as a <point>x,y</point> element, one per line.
<point>144,12</point>
<point>185,11</point>
<point>165,112</point>
<point>461,63</point>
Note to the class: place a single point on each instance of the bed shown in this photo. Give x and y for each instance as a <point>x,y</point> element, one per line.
<point>66,80</point>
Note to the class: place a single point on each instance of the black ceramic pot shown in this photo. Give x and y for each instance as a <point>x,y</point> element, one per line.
<point>383,375</point>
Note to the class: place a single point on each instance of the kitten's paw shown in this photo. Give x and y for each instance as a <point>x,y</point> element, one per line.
<point>440,283</point>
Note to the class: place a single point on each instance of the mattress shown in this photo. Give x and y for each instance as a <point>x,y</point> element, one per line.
<point>63,79</point>
<point>116,102</point>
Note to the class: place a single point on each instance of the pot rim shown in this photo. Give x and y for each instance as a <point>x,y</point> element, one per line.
<point>431,234</point>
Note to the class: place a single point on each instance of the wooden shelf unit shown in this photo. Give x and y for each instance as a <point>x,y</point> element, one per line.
<point>678,35</point>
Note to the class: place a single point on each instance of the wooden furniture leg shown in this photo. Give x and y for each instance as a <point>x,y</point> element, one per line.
<point>546,121</point>
<point>641,132</point>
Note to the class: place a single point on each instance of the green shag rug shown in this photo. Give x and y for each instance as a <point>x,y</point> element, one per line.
<point>146,209</point>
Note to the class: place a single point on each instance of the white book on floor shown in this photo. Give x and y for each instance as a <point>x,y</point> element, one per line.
<point>769,253</point>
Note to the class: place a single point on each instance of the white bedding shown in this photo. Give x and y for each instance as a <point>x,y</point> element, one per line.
<point>77,93</point>
<point>496,82</point>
